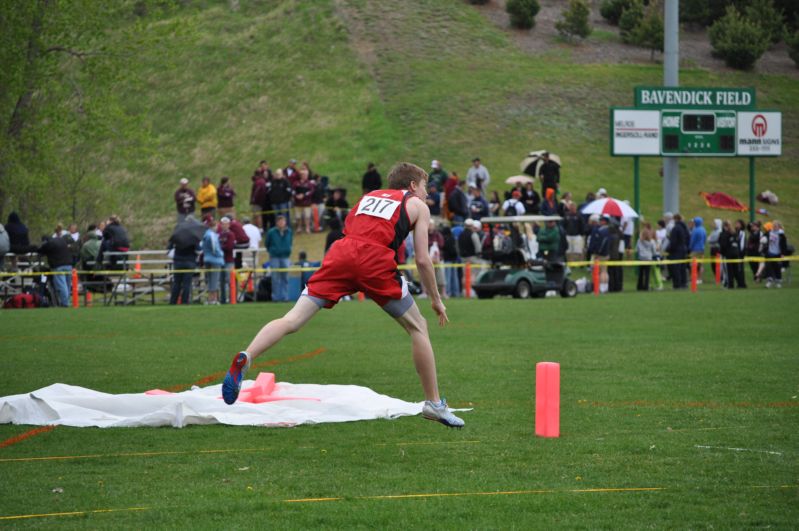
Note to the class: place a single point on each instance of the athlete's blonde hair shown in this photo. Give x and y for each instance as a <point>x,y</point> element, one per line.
<point>403,174</point>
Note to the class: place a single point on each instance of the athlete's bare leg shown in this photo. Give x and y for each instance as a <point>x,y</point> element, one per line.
<point>275,330</point>
<point>423,358</point>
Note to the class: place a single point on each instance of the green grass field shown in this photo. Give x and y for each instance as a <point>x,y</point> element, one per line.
<point>678,410</point>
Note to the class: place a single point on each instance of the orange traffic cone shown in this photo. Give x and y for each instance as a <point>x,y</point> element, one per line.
<point>137,267</point>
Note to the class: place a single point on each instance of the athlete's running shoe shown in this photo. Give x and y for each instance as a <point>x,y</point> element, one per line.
<point>231,385</point>
<point>441,413</point>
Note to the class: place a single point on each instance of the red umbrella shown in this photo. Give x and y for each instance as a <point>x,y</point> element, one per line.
<point>610,206</point>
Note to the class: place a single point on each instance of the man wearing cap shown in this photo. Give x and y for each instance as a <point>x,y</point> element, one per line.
<point>477,176</point>
<point>437,176</point>
<point>185,200</point>
<point>514,205</point>
<point>291,172</point>
<point>371,180</point>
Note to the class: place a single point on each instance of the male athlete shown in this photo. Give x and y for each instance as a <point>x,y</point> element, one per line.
<point>366,260</point>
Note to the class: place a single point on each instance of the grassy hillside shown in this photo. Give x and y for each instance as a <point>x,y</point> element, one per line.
<point>343,82</point>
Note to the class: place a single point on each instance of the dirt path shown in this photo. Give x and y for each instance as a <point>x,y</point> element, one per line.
<point>694,44</point>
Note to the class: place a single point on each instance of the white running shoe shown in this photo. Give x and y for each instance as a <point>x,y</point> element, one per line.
<point>441,413</point>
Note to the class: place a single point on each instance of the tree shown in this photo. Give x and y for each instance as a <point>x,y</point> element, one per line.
<point>630,19</point>
<point>649,32</point>
<point>737,40</point>
<point>771,21</point>
<point>57,99</point>
<point>793,46</point>
<point>575,20</point>
<point>522,13</point>
<point>611,10</point>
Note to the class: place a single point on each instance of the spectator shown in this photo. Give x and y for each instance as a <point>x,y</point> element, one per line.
<point>227,241</point>
<point>59,231</point>
<point>254,236</point>
<point>183,245</point>
<point>18,238</point>
<point>549,240</point>
<point>59,258</point>
<point>777,247</point>
<point>334,234</point>
<point>225,196</point>
<point>259,195</point>
<point>550,174</point>
<point>549,207</point>
<point>713,243</point>
<point>514,205</point>
<point>531,199</point>
<point>563,205</point>
<point>494,204</point>
<point>263,170</point>
<point>115,240</point>
<point>436,242</point>
<point>206,196</point>
<point>278,243</point>
<point>303,191</point>
<point>696,244</point>
<point>615,254</point>
<point>451,183</point>
<point>458,203</point>
<point>573,226</point>
<point>601,194</point>
<point>241,240</point>
<point>72,237</point>
<point>753,247</point>
<point>679,239</point>
<point>478,206</point>
<point>89,250</point>
<point>280,195</point>
<point>449,254</point>
<point>433,202</point>
<point>730,244</point>
<point>470,243</point>
<point>292,173</point>
<point>589,198</point>
<point>371,179</point>
<point>646,253</point>
<point>321,192</point>
<point>213,261</point>
<point>5,245</point>
<point>603,251</point>
<point>437,176</point>
<point>592,237</point>
<point>185,200</point>
<point>303,262</point>
<point>477,176</point>
<point>336,207</point>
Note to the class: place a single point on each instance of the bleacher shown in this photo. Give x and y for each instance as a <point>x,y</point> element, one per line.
<point>124,278</point>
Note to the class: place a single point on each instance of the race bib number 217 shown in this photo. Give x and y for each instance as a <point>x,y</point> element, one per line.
<point>379,207</point>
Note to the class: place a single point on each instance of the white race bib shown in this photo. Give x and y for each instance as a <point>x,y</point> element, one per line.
<point>379,207</point>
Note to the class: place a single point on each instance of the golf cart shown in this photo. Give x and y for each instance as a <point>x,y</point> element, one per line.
<point>515,270</point>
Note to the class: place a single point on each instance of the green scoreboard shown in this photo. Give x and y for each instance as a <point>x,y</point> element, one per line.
<point>697,133</point>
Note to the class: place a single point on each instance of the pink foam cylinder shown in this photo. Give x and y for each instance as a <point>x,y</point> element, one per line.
<point>547,399</point>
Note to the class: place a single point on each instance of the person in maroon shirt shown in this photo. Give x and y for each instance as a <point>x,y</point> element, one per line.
<point>303,195</point>
<point>225,195</point>
<point>258,194</point>
<point>241,240</point>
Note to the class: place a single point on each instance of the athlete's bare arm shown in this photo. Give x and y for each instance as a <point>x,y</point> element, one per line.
<point>419,216</point>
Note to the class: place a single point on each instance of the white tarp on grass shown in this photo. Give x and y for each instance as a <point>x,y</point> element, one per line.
<point>69,405</point>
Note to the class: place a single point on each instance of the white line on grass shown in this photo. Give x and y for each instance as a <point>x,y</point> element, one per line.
<point>737,449</point>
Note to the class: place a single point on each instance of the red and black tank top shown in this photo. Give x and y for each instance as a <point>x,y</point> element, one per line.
<point>380,217</point>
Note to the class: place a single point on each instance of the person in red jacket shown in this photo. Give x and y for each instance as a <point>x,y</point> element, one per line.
<point>366,260</point>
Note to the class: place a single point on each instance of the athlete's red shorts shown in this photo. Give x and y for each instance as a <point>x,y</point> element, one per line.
<point>356,265</point>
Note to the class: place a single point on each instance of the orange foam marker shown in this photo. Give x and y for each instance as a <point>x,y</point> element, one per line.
<point>261,391</point>
<point>547,399</point>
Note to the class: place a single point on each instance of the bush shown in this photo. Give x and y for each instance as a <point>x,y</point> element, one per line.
<point>522,12</point>
<point>631,17</point>
<point>611,10</point>
<point>478,2</point>
<point>737,40</point>
<point>792,41</point>
<point>771,21</point>
<point>574,21</point>
<point>649,32</point>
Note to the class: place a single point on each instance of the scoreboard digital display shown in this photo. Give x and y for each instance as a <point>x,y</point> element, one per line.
<point>698,133</point>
